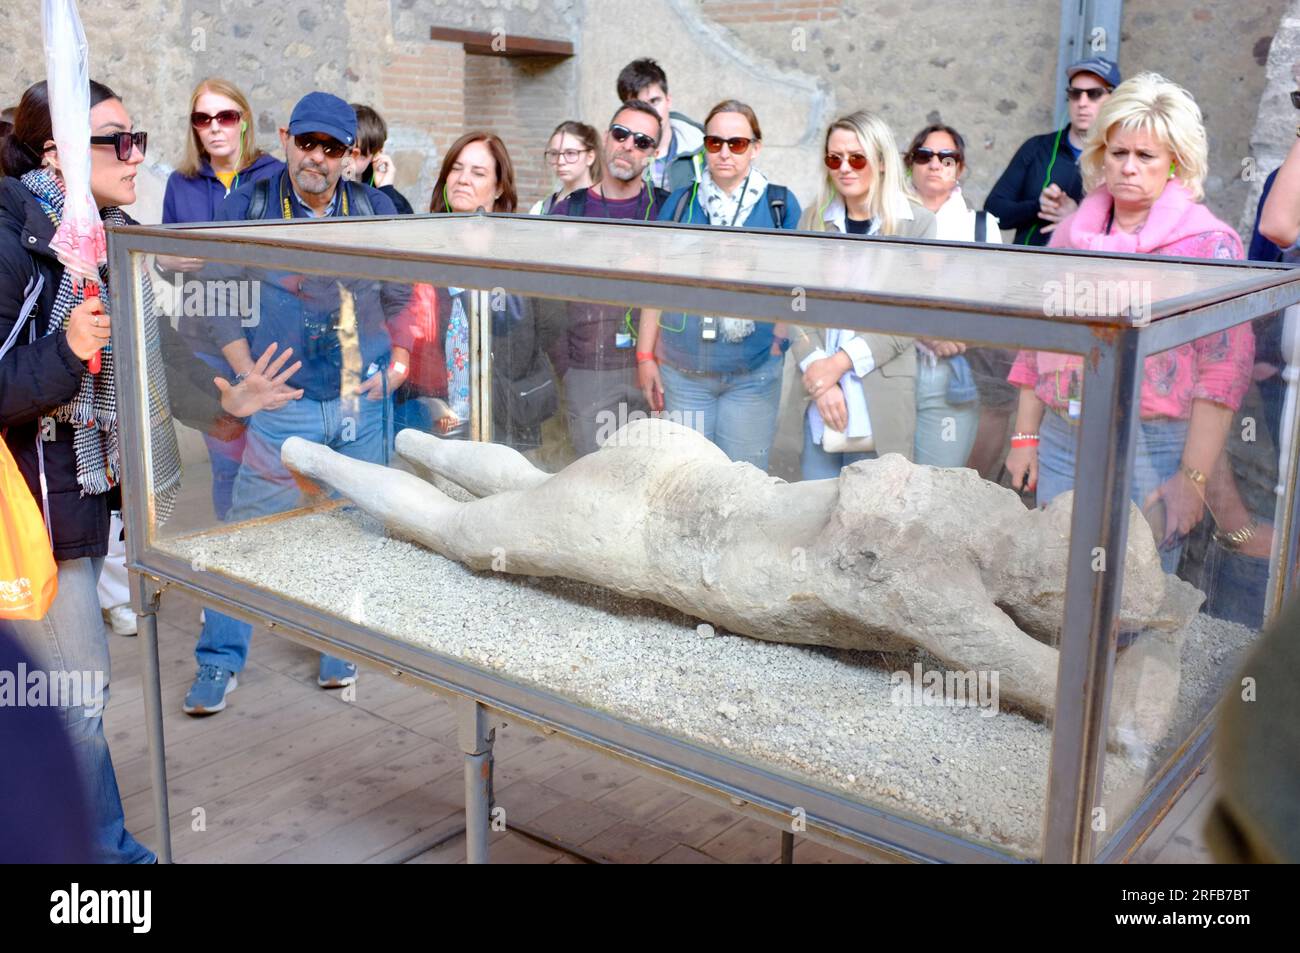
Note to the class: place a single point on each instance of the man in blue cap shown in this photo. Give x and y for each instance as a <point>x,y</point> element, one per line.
<point>340,330</point>
<point>1042,185</point>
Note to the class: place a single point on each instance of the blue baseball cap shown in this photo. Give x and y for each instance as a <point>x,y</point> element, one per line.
<point>322,112</point>
<point>1105,70</point>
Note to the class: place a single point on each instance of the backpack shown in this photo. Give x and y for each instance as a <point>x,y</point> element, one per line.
<point>777,200</point>
<point>357,199</point>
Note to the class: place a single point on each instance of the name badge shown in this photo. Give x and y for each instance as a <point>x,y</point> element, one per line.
<point>622,339</point>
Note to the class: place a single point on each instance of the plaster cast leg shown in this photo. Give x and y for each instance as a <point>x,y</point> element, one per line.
<point>483,469</point>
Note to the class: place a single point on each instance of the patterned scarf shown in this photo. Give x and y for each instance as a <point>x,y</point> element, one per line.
<point>724,209</point>
<point>93,411</point>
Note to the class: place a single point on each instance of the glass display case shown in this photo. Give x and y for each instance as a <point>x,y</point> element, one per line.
<point>742,507</point>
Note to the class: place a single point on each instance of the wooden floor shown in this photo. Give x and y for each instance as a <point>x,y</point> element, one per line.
<point>290,773</point>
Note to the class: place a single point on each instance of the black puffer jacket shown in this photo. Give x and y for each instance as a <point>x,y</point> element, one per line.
<point>39,376</point>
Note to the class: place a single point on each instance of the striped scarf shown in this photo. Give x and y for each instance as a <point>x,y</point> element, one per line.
<point>92,412</point>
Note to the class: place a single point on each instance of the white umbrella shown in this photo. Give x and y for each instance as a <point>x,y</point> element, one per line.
<point>79,242</point>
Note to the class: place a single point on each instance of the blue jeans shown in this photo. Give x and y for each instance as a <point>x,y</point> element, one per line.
<point>737,411</point>
<point>71,638</point>
<point>816,464</point>
<point>263,486</point>
<point>1156,458</point>
<point>945,432</point>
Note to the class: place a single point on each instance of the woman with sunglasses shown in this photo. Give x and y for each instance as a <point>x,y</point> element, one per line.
<point>60,421</point>
<point>720,375</point>
<point>947,394</point>
<point>860,388</point>
<point>573,152</point>
<point>221,154</point>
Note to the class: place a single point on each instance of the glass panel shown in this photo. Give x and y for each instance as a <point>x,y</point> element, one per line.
<point>727,573</point>
<point>474,472</point>
<point>1206,479</point>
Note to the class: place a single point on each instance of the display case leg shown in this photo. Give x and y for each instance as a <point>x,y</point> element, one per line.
<point>787,847</point>
<point>146,608</point>
<point>476,742</point>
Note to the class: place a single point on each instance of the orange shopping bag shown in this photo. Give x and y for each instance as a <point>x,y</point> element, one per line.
<point>28,576</point>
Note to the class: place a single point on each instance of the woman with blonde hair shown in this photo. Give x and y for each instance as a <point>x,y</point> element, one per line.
<point>861,387</point>
<point>221,154</point>
<point>1144,167</point>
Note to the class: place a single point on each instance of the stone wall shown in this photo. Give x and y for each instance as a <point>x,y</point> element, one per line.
<point>986,68</point>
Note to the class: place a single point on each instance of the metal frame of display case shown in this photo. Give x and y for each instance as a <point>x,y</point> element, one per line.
<point>1114,347</point>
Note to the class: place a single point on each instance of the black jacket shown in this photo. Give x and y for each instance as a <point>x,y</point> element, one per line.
<point>37,377</point>
<point>1014,199</point>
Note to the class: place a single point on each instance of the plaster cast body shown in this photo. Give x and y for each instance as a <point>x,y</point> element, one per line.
<point>888,555</point>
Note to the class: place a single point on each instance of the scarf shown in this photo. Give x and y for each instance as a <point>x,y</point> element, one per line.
<point>92,411</point>
<point>724,209</point>
<point>1174,217</point>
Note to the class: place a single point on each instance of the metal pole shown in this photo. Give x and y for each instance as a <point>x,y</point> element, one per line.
<point>147,627</point>
<point>1098,537</point>
<point>787,847</point>
<point>476,741</point>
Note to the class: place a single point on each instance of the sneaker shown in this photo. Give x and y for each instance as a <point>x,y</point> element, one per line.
<point>122,619</point>
<point>335,672</point>
<point>207,695</point>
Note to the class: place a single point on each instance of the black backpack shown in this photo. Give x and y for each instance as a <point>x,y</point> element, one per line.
<point>777,200</point>
<point>358,200</point>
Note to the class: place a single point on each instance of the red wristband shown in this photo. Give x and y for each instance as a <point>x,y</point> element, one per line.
<point>1025,443</point>
<point>643,356</point>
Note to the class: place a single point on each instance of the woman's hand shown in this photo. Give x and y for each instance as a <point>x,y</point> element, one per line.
<point>1184,505</point>
<point>373,386</point>
<point>833,410</point>
<point>384,170</point>
<point>88,329</point>
<point>821,376</point>
<point>651,383</point>
<point>263,388</point>
<point>1022,465</point>
<point>944,348</point>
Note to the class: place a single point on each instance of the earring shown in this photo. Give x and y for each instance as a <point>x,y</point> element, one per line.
<point>1172,169</point>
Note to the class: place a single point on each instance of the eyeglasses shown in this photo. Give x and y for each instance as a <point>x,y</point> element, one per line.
<point>1094,93</point>
<point>570,156</point>
<point>227,117</point>
<point>639,139</point>
<point>737,144</point>
<point>948,158</point>
<point>332,148</point>
<point>124,142</point>
<point>856,160</point>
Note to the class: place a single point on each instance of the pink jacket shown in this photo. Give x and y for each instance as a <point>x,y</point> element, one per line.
<point>1215,368</point>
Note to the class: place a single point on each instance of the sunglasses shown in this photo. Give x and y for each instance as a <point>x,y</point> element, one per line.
<point>639,139</point>
<point>124,142</point>
<point>332,148</point>
<point>737,144</point>
<point>856,161</point>
<point>227,117</point>
<point>948,158</point>
<point>1094,94</point>
<point>570,155</point>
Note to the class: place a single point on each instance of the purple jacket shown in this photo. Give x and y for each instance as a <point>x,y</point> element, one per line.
<point>197,198</point>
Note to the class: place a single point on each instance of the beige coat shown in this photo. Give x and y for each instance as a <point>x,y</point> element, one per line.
<point>890,388</point>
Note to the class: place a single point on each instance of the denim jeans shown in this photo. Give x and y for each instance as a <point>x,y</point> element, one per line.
<point>737,411</point>
<point>71,638</point>
<point>945,432</point>
<point>263,486</point>
<point>817,464</point>
<point>1156,458</point>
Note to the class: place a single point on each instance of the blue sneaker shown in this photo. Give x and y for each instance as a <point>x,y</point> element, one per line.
<point>207,695</point>
<point>335,672</point>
